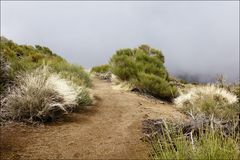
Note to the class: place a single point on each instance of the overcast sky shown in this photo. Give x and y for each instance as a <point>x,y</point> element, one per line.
<point>195,37</point>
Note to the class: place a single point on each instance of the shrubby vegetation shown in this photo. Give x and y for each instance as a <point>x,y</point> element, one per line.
<point>212,131</point>
<point>37,84</point>
<point>155,85</point>
<point>101,69</point>
<point>144,68</point>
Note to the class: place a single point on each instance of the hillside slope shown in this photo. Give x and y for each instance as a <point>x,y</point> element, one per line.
<point>17,58</point>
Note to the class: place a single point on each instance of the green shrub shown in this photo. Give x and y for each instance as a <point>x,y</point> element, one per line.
<point>123,66</point>
<point>101,69</point>
<point>150,64</point>
<point>156,86</point>
<point>144,67</point>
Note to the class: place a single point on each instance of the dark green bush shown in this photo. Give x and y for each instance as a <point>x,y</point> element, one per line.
<point>123,66</point>
<point>101,69</point>
<point>150,64</point>
<point>156,86</point>
<point>144,67</point>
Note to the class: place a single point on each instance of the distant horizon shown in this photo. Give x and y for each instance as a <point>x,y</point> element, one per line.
<point>200,39</point>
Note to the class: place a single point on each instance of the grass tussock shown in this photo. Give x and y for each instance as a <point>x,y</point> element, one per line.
<point>209,100</point>
<point>42,95</point>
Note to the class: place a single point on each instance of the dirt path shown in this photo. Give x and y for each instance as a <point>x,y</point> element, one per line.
<point>110,130</point>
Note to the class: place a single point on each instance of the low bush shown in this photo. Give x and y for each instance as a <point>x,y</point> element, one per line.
<point>42,95</point>
<point>208,100</point>
<point>156,86</point>
<point>143,67</point>
<point>101,69</point>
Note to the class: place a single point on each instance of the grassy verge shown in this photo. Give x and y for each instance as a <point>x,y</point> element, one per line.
<point>38,85</point>
<point>209,143</point>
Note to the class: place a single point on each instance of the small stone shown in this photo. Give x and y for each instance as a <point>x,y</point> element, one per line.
<point>146,116</point>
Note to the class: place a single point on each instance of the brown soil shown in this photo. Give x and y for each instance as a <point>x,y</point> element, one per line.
<point>109,130</point>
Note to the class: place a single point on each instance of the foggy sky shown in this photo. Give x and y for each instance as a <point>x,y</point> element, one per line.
<point>195,37</point>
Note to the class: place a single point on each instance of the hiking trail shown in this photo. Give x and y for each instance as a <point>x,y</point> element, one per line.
<point>111,129</point>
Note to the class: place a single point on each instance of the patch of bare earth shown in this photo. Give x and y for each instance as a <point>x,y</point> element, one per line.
<point>109,130</point>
